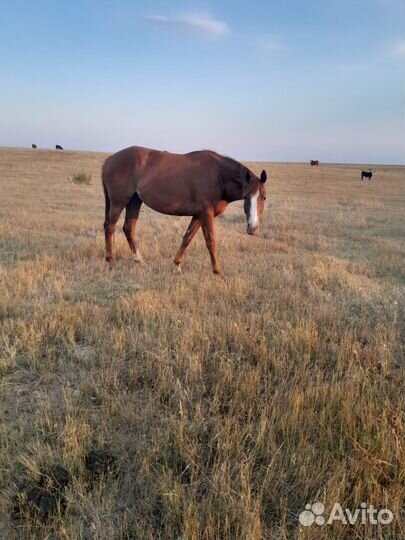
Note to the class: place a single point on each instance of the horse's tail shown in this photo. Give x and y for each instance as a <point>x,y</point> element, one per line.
<point>106,196</point>
<point>107,202</point>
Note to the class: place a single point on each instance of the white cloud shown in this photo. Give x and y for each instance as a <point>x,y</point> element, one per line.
<point>397,48</point>
<point>201,22</point>
<point>270,45</point>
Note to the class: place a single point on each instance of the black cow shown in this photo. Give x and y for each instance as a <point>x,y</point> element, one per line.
<point>33,145</point>
<point>366,174</point>
<point>58,147</point>
<point>314,163</point>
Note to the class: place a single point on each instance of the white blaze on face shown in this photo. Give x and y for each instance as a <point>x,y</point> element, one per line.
<point>253,220</point>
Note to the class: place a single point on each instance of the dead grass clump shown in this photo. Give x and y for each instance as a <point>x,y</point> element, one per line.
<point>81,177</point>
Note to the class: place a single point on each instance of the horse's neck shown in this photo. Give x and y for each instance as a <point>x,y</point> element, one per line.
<point>236,193</point>
<point>232,184</point>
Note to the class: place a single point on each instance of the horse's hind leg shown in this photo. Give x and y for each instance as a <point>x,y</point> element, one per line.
<point>131,218</point>
<point>111,218</point>
<point>190,233</point>
<point>207,225</point>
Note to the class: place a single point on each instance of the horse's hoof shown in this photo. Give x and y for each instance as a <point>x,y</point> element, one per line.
<point>138,259</point>
<point>110,263</point>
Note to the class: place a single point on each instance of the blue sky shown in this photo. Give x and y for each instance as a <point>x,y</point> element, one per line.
<point>261,80</point>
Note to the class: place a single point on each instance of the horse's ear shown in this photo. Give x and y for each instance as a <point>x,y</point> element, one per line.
<point>248,177</point>
<point>263,177</point>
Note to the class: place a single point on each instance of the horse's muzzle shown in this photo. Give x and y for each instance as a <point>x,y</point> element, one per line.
<point>252,230</point>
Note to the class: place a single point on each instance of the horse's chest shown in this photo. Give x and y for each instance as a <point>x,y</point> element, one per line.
<point>219,207</point>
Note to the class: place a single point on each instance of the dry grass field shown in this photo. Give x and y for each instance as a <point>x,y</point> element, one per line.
<point>140,403</point>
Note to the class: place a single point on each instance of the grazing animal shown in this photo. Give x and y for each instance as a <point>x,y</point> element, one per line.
<point>198,184</point>
<point>58,147</point>
<point>314,163</point>
<point>33,145</point>
<point>366,174</point>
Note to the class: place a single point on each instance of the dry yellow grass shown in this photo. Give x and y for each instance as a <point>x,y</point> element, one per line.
<point>221,407</point>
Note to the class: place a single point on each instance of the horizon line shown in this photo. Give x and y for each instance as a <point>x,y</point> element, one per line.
<point>76,150</point>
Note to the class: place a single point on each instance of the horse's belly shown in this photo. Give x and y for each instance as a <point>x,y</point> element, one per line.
<point>173,198</point>
<point>170,205</point>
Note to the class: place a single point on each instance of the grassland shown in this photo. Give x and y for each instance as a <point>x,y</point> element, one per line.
<point>190,407</point>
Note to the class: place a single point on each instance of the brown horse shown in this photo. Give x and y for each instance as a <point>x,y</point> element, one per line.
<point>197,184</point>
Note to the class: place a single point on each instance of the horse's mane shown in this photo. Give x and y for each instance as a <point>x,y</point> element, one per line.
<point>233,163</point>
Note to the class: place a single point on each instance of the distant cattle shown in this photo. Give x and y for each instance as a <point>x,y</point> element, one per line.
<point>366,174</point>
<point>33,145</point>
<point>314,163</point>
<point>58,147</point>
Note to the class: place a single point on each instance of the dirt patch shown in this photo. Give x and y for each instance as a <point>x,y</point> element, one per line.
<point>44,496</point>
<point>100,462</point>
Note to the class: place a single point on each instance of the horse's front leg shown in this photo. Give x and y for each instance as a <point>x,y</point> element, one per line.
<point>207,225</point>
<point>189,235</point>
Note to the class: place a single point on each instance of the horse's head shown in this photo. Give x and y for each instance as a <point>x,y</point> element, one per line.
<point>254,200</point>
